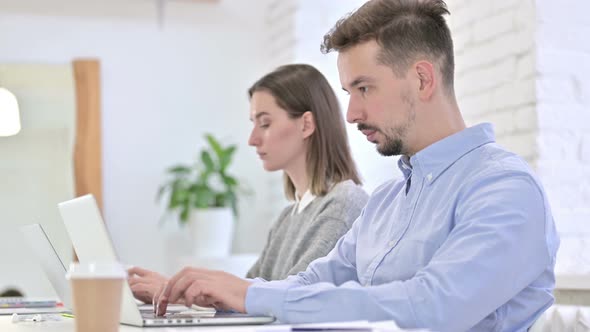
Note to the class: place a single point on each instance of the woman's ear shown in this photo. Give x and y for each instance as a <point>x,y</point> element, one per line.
<point>308,124</point>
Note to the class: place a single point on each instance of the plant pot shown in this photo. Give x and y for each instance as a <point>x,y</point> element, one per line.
<point>212,232</point>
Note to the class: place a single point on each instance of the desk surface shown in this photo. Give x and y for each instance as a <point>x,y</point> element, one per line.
<point>572,282</point>
<point>67,325</point>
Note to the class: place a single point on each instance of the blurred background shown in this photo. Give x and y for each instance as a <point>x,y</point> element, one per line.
<point>173,70</point>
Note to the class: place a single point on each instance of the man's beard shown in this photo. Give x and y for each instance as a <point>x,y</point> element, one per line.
<point>393,144</point>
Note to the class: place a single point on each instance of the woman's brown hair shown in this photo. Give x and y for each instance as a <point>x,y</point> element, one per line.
<point>300,88</point>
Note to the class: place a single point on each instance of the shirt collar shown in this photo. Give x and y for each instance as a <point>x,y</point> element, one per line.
<point>405,166</point>
<point>302,203</point>
<point>433,160</point>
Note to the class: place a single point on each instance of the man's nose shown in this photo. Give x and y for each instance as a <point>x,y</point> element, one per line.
<point>354,112</point>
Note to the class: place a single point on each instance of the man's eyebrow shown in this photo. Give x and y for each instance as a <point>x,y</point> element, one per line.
<point>359,80</point>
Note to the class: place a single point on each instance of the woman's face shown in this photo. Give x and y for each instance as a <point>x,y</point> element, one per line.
<point>278,139</point>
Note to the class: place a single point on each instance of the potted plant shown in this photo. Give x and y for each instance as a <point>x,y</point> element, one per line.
<point>203,195</point>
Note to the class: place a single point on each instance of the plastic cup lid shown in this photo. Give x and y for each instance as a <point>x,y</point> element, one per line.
<point>93,270</point>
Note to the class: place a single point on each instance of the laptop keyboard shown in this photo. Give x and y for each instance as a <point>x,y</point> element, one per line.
<point>178,315</point>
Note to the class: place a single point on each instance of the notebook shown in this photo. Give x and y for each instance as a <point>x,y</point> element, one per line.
<point>92,243</point>
<point>24,302</point>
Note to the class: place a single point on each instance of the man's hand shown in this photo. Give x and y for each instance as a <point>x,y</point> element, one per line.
<point>206,288</point>
<point>145,283</point>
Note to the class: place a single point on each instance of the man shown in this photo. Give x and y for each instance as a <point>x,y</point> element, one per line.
<point>465,241</point>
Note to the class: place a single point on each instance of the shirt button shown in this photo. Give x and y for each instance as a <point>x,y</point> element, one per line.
<point>429,177</point>
<point>391,243</point>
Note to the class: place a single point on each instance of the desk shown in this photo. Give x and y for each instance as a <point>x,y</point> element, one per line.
<point>572,289</point>
<point>68,325</point>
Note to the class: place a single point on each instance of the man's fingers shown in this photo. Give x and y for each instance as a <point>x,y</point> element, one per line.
<point>137,271</point>
<point>175,279</point>
<point>142,287</point>
<point>181,283</point>
<point>200,293</point>
<point>157,299</point>
<point>132,280</point>
<point>178,289</point>
<point>161,306</point>
<point>164,292</point>
<point>136,287</point>
<point>191,294</point>
<point>185,280</point>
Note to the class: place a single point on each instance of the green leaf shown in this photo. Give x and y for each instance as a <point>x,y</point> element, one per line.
<point>220,200</point>
<point>204,178</point>
<point>175,200</point>
<point>214,145</point>
<point>225,157</point>
<point>230,150</point>
<point>179,170</point>
<point>207,161</point>
<point>229,181</point>
<point>196,185</point>
<point>184,214</point>
<point>203,198</point>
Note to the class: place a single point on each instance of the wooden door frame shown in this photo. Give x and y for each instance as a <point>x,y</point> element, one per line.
<point>88,145</point>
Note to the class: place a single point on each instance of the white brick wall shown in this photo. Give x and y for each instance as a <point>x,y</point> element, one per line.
<point>280,22</point>
<point>523,65</point>
<point>495,68</point>
<point>563,110</point>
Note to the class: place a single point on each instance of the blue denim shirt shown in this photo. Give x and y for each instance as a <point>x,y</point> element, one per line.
<point>464,242</point>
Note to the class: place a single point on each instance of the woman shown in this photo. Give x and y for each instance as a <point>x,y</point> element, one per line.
<point>299,129</point>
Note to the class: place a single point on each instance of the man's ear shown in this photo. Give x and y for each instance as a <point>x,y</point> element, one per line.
<point>308,124</point>
<point>427,79</point>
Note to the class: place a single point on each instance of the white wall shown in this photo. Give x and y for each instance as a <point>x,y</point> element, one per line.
<point>495,67</point>
<point>563,112</point>
<point>524,66</point>
<point>36,171</point>
<point>163,88</point>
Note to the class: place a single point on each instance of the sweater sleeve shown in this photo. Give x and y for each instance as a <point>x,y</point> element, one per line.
<point>329,225</point>
<point>323,238</point>
<point>256,269</point>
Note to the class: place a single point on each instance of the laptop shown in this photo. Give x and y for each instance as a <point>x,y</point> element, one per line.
<point>91,241</point>
<point>47,257</point>
<point>55,270</point>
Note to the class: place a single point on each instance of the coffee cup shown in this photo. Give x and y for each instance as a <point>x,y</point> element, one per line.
<point>97,289</point>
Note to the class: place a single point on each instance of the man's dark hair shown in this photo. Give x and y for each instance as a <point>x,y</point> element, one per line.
<point>406,30</point>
